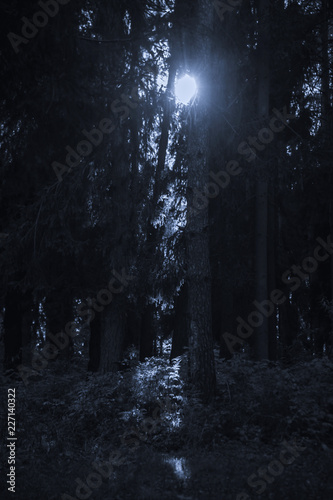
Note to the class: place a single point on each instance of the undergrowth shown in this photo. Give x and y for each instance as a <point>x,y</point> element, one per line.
<point>65,422</point>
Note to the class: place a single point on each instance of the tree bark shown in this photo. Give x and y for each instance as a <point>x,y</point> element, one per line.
<point>201,354</point>
<point>13,328</point>
<point>261,229</point>
<point>59,311</point>
<point>27,319</point>
<point>327,128</point>
<point>147,334</point>
<point>180,334</point>
<point>112,335</point>
<point>95,343</point>
<point>272,244</point>
<point>227,318</point>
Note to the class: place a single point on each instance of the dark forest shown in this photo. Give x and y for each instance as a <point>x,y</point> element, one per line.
<point>166,249</point>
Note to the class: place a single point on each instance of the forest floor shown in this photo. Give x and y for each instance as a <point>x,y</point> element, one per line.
<point>141,434</point>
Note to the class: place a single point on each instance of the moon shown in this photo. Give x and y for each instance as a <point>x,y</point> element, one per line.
<point>185,89</point>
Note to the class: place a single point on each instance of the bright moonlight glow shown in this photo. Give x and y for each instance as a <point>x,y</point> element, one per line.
<point>185,89</point>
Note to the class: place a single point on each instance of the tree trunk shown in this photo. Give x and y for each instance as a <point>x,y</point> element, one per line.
<point>147,335</point>
<point>13,328</point>
<point>180,336</point>
<point>329,347</point>
<point>201,354</point>
<point>288,324</point>
<point>95,343</point>
<point>59,311</point>
<point>327,128</point>
<point>113,322</point>
<point>272,240</point>
<point>27,319</point>
<point>228,323</point>
<point>261,230</point>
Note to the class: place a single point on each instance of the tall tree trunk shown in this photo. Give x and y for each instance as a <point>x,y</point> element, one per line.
<point>272,240</point>
<point>147,334</point>
<point>13,328</point>
<point>180,334</point>
<point>113,323</point>
<point>327,128</point>
<point>201,354</point>
<point>329,344</point>
<point>27,320</point>
<point>59,311</point>
<point>95,343</point>
<point>163,144</point>
<point>261,229</point>
<point>227,318</point>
